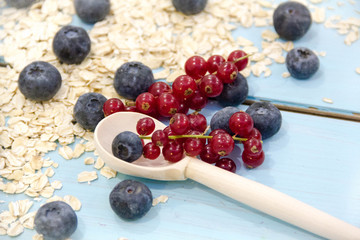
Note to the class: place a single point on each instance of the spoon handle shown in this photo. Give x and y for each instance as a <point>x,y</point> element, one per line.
<point>271,201</point>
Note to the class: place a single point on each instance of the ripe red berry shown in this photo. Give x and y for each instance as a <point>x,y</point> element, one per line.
<point>235,55</point>
<point>215,132</point>
<point>222,144</point>
<point>145,126</point>
<point>241,123</point>
<point>158,88</point>
<point>254,133</point>
<point>184,87</point>
<point>253,161</point>
<point>159,137</point>
<point>197,121</point>
<point>227,72</point>
<point>214,62</point>
<point>146,103</point>
<point>211,86</point>
<point>196,67</point>
<point>207,155</point>
<point>130,109</point>
<point>226,164</point>
<point>113,105</point>
<point>179,124</point>
<point>193,146</point>
<point>252,146</point>
<point>173,151</point>
<point>183,108</point>
<point>198,101</point>
<point>151,151</point>
<point>167,104</point>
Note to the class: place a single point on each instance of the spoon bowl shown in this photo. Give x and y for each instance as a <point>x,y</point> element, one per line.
<point>251,193</point>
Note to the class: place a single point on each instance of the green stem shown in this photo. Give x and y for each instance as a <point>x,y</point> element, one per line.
<point>193,136</point>
<point>242,58</point>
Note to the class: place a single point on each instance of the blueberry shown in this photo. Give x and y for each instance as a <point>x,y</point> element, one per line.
<point>234,93</point>
<point>302,63</point>
<point>132,79</point>
<point>189,7</point>
<point>39,81</point>
<point>291,20</point>
<point>221,119</point>
<point>127,146</point>
<point>130,199</point>
<point>71,44</point>
<point>267,118</point>
<point>92,11</point>
<point>88,110</point>
<point>55,220</point>
<point>20,3</point>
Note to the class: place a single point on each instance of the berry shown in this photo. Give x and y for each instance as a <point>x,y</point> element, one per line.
<point>88,110</point>
<point>215,132</point>
<point>235,55</point>
<point>173,151</point>
<point>132,79</point>
<point>222,144</point>
<point>211,86</point>
<point>197,122</point>
<point>227,72</point>
<point>194,132</point>
<point>92,11</point>
<point>184,87</point>
<point>253,161</point>
<point>71,44</point>
<point>151,151</point>
<point>220,120</point>
<point>131,199</point>
<point>127,146</point>
<point>198,101</point>
<point>291,20</point>
<point>189,7</point>
<point>193,146</point>
<point>252,147</point>
<point>183,108</point>
<point>179,124</point>
<point>19,3</point>
<point>167,105</point>
<point>207,155</point>
<point>254,133</point>
<point>267,118</point>
<point>145,126</point>
<point>241,124</point>
<point>196,67</point>
<point>234,93</point>
<point>113,105</point>
<point>226,164</point>
<point>39,81</point>
<point>55,220</point>
<point>158,88</point>
<point>214,62</point>
<point>130,109</point>
<point>302,63</point>
<point>159,137</point>
<point>146,103</point>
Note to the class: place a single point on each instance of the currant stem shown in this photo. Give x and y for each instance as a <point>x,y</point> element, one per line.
<point>242,58</point>
<point>193,136</point>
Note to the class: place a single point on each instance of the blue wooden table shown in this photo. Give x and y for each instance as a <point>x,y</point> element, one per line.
<point>313,159</point>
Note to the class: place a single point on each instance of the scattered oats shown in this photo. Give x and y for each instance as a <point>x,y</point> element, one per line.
<point>20,208</point>
<point>316,1</point>
<point>15,229</point>
<point>56,184</point>
<point>78,150</point>
<point>89,160</point>
<point>244,42</point>
<point>99,163</point>
<point>87,176</point>
<point>160,199</point>
<point>327,100</point>
<point>49,172</point>
<point>108,172</point>
<point>357,70</point>
<point>55,165</point>
<point>47,192</point>
<point>269,35</point>
<point>37,237</point>
<point>28,220</point>
<point>54,198</point>
<point>279,59</point>
<point>174,75</point>
<point>73,202</point>
<point>122,238</point>
<point>319,15</point>
<point>322,53</point>
<point>285,74</point>
<point>163,74</point>
<point>340,4</point>
<point>66,152</point>
<point>351,37</point>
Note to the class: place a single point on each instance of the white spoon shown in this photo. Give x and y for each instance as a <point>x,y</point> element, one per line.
<point>246,191</point>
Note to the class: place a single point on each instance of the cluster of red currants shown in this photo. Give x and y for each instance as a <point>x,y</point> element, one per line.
<point>190,91</point>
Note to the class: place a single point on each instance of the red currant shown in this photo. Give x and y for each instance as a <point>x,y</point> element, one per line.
<point>214,62</point>
<point>241,123</point>
<point>130,109</point>
<point>193,146</point>
<point>179,124</point>
<point>167,104</point>
<point>183,108</point>
<point>196,67</point>
<point>151,151</point>
<point>211,86</point>
<point>173,151</point>
<point>207,155</point>
<point>184,87</point>
<point>197,121</point>
<point>146,103</point>
<point>145,126</point>
<point>198,101</point>
<point>226,164</point>
<point>253,161</point>
<point>252,146</point>
<point>227,72</point>
<point>113,105</point>
<point>222,144</point>
<point>158,88</point>
<point>215,132</point>
<point>159,137</point>
<point>194,132</point>
<point>254,133</point>
<point>235,55</point>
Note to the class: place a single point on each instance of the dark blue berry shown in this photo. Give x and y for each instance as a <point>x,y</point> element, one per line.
<point>130,199</point>
<point>39,81</point>
<point>221,118</point>
<point>19,3</point>
<point>127,146</point>
<point>189,7</point>
<point>88,110</point>
<point>291,20</point>
<point>92,11</point>
<point>234,93</point>
<point>55,220</point>
<point>71,44</point>
<point>132,79</point>
<point>267,118</point>
<point>302,63</point>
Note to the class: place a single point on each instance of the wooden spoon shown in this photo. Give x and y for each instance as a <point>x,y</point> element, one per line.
<point>251,193</point>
